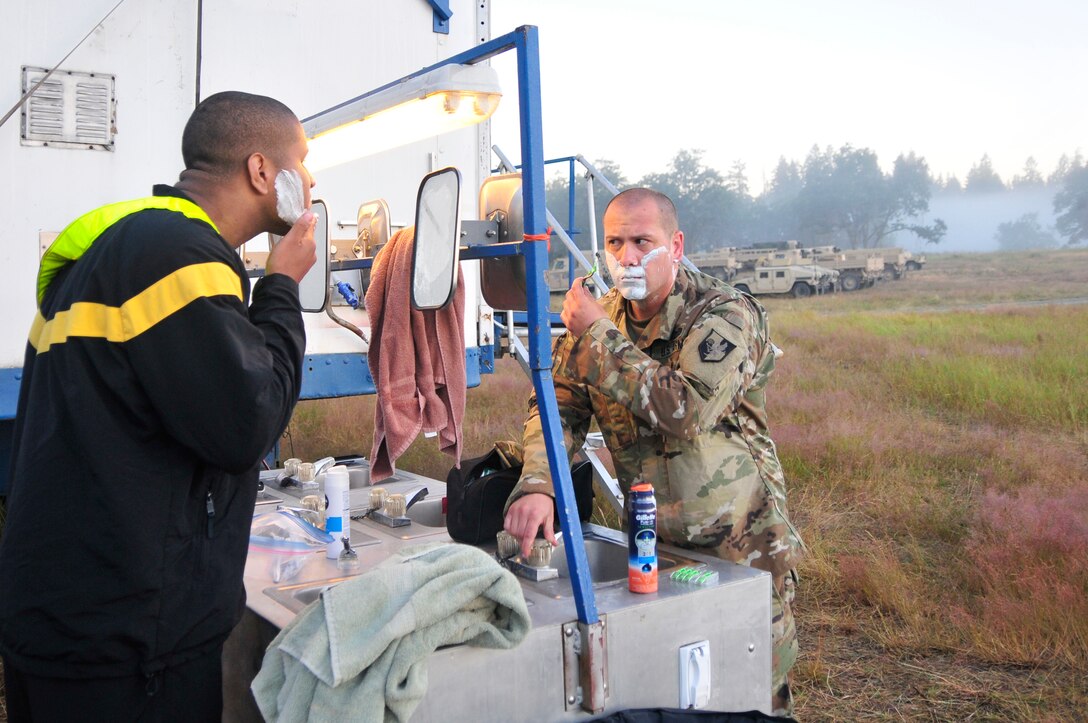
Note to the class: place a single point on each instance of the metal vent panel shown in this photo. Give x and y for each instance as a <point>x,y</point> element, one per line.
<point>71,109</point>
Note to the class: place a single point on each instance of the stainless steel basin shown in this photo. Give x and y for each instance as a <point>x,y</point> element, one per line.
<point>427,513</point>
<point>426,516</point>
<point>299,595</point>
<point>606,553</point>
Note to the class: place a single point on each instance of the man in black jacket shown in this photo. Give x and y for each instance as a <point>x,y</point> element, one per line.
<point>151,389</point>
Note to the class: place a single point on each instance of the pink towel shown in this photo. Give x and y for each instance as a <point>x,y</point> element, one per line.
<point>417,359</point>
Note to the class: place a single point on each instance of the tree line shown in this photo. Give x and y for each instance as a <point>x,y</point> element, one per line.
<point>836,197</point>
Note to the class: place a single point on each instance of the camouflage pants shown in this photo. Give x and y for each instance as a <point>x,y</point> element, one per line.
<point>783,643</point>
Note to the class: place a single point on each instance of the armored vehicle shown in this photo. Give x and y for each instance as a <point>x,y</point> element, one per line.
<point>858,268</point>
<point>721,263</point>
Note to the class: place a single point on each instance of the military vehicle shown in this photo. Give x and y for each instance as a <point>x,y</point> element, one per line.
<point>858,268</point>
<point>895,261</point>
<point>558,275</point>
<point>798,281</point>
<point>914,264</point>
<point>720,263</point>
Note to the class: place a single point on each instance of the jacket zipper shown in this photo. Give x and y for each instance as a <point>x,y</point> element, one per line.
<point>210,506</point>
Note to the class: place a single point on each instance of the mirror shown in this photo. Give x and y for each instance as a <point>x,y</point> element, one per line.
<point>372,228</point>
<point>502,279</point>
<point>314,289</point>
<point>437,247</point>
<point>313,292</point>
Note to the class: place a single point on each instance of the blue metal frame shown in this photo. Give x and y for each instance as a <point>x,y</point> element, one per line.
<point>326,376</point>
<point>442,15</point>
<point>540,363</point>
<point>525,43</point>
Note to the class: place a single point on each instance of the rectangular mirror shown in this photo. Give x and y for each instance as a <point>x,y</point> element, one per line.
<point>437,241</point>
<point>313,291</point>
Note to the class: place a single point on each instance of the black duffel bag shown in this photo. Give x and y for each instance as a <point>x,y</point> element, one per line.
<point>477,492</point>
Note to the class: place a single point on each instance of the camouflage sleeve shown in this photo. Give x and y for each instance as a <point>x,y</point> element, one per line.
<point>715,364</point>
<point>574,416</point>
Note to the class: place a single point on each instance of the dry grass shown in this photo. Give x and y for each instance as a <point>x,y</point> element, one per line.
<point>934,433</point>
<point>935,436</point>
<point>938,465</point>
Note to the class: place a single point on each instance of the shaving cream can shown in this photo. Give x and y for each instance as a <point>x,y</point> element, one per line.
<point>642,539</point>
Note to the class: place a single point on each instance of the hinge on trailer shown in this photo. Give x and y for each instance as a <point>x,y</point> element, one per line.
<point>585,666</point>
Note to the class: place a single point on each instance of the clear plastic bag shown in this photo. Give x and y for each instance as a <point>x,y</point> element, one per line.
<point>285,543</point>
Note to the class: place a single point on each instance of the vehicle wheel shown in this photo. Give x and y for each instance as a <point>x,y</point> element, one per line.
<point>850,282</point>
<point>800,290</point>
<point>743,288</point>
<point>914,266</point>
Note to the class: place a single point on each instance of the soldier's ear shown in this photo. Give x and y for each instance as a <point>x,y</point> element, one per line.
<point>677,246</point>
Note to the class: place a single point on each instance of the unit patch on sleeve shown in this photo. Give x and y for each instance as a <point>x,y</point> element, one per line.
<point>715,347</point>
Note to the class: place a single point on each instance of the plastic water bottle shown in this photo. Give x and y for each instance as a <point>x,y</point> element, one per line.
<point>337,509</point>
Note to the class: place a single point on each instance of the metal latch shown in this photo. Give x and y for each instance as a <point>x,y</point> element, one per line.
<point>585,666</point>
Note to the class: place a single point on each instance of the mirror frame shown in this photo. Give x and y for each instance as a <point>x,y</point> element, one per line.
<point>320,269</point>
<point>430,177</point>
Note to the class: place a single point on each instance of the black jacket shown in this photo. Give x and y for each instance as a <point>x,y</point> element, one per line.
<point>145,407</point>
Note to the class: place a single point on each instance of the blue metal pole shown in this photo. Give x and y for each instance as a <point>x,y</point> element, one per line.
<point>536,261</point>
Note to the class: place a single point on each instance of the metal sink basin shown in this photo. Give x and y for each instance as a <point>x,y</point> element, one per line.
<point>427,519</point>
<point>427,513</point>
<point>606,553</point>
<point>297,596</point>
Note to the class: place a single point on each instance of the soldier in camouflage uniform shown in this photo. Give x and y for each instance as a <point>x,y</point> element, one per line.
<point>673,366</point>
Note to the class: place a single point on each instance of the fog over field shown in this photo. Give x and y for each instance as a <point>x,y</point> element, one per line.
<point>973,218</point>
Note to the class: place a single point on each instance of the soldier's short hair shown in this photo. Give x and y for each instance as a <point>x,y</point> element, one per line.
<point>666,208</point>
<point>228,127</point>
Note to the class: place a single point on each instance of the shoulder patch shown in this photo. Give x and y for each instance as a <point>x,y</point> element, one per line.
<point>714,347</point>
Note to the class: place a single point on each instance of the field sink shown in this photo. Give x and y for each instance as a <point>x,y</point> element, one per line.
<point>297,596</point>
<point>427,512</point>
<point>606,553</point>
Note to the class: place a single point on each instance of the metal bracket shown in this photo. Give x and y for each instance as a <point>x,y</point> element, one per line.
<point>479,233</point>
<point>585,666</point>
<point>442,15</point>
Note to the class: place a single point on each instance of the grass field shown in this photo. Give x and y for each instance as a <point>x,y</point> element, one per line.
<point>934,433</point>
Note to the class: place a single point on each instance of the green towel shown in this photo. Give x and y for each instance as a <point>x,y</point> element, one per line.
<point>360,653</point>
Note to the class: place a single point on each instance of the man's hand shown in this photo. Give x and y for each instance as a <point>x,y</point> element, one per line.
<point>527,515</point>
<point>295,253</point>
<point>580,308</point>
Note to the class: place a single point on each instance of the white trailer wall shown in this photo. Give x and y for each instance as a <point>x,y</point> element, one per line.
<point>311,55</point>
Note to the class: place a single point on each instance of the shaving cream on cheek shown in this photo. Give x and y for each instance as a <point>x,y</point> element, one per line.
<point>629,280</point>
<point>659,251</point>
<point>290,199</point>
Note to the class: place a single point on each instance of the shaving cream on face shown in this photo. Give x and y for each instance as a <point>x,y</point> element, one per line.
<point>290,199</point>
<point>631,280</point>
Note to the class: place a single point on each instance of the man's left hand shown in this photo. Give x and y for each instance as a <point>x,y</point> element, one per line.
<point>580,308</point>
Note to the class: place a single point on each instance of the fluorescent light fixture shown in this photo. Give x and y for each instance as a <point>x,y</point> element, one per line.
<point>439,101</point>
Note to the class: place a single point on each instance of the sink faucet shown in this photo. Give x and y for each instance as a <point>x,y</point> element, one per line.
<point>323,464</point>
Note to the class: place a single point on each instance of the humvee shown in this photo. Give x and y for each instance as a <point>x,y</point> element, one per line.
<point>798,281</point>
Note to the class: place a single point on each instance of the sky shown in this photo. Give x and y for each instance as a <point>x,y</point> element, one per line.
<point>635,81</point>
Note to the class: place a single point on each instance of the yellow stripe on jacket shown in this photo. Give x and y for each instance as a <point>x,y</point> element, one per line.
<point>143,311</point>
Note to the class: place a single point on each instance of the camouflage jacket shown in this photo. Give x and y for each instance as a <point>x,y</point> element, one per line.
<point>682,408</point>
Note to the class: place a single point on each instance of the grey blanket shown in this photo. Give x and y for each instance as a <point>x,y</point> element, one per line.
<point>360,653</point>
